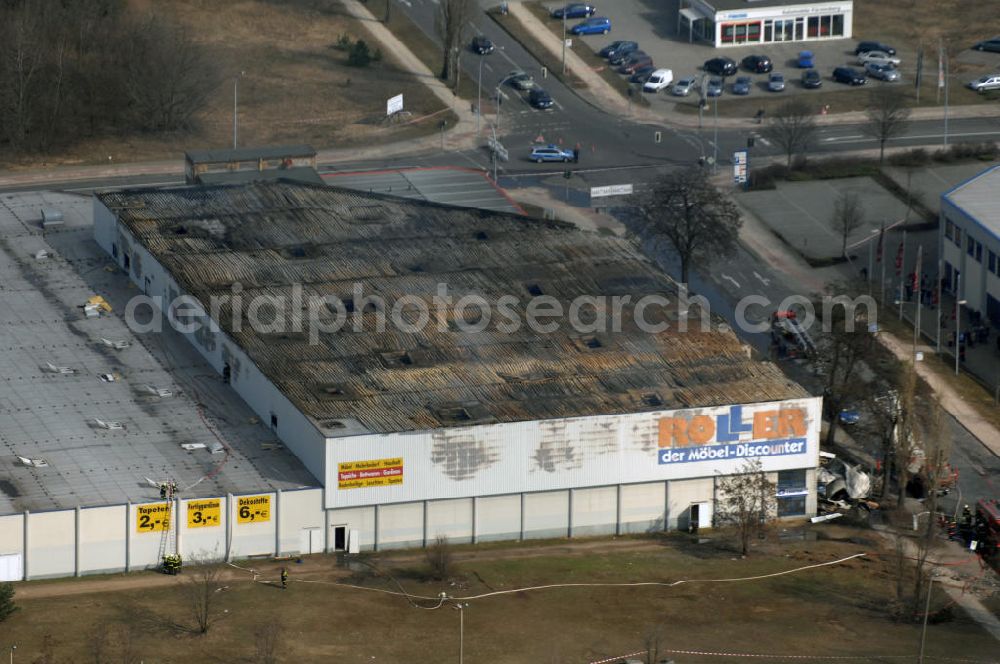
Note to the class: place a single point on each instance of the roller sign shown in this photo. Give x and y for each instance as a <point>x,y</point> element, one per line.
<point>731,433</point>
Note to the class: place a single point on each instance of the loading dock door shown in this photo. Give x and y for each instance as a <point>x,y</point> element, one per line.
<point>11,568</point>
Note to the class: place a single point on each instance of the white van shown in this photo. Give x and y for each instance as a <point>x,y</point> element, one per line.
<point>658,80</point>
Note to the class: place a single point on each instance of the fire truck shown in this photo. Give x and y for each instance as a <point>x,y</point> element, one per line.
<point>988,530</point>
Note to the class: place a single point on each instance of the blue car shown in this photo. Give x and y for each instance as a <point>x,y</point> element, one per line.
<point>806,60</point>
<point>599,25</point>
<point>849,416</point>
<point>575,10</point>
<point>741,86</point>
<point>714,87</point>
<point>550,153</point>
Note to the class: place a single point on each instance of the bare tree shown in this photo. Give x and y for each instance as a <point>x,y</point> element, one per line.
<point>888,117</point>
<point>267,641</point>
<point>440,558</point>
<point>201,589</point>
<point>848,216</point>
<point>684,207</point>
<point>791,127</point>
<point>936,448</point>
<point>452,17</point>
<point>747,502</point>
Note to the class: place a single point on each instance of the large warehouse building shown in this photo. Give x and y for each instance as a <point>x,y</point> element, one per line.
<point>488,433</point>
<point>489,416</point>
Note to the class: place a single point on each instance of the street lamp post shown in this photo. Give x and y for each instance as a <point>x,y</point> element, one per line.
<point>564,42</point>
<point>12,649</point>
<point>479,94</point>
<point>460,606</point>
<point>958,320</point>
<point>236,85</point>
<point>500,85</point>
<point>927,609</point>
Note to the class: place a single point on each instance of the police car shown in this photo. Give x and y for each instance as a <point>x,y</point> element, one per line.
<point>542,153</point>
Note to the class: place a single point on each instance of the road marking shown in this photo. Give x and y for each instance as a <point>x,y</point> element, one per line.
<point>766,282</point>
<point>763,140</point>
<point>916,136</point>
<point>730,279</point>
<point>842,138</point>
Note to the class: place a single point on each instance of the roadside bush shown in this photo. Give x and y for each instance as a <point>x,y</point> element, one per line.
<point>986,151</point>
<point>914,158</point>
<point>7,606</point>
<point>343,42</point>
<point>360,55</point>
<point>440,558</point>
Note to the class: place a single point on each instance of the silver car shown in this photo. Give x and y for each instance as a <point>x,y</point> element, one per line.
<point>683,87</point>
<point>877,57</point>
<point>882,72</point>
<point>984,83</point>
<point>776,82</point>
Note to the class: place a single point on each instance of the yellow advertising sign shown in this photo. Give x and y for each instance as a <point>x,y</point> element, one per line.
<point>152,518</point>
<point>253,509</point>
<point>204,513</point>
<point>374,472</point>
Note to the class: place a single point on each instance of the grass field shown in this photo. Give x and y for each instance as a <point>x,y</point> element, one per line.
<point>296,88</point>
<point>831,611</point>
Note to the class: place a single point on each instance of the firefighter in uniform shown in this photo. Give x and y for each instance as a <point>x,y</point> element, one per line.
<point>284,578</point>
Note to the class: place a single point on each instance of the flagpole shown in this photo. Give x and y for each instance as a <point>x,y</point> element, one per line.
<point>940,309</point>
<point>871,267</point>
<point>916,284</point>
<point>902,274</point>
<point>881,258</point>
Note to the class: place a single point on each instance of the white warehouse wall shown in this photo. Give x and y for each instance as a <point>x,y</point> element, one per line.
<point>102,532</point>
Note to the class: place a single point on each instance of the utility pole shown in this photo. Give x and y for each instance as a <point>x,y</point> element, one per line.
<point>479,94</point>
<point>236,86</point>
<point>940,313</point>
<point>715,140</point>
<point>927,610</point>
<point>947,85</point>
<point>919,292</point>
<point>958,320</point>
<point>902,277</point>
<point>564,42</point>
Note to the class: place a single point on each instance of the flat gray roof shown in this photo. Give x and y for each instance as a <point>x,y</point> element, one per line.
<point>51,416</point>
<point>275,237</point>
<point>978,198</point>
<point>297,173</point>
<point>450,186</point>
<point>224,155</point>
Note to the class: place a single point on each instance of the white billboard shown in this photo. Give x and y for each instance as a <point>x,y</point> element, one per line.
<point>611,190</point>
<point>394,104</point>
<point>577,452</point>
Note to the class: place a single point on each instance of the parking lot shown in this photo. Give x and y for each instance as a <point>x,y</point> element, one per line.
<point>653,24</point>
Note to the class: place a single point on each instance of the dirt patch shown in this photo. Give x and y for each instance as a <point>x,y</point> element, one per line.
<point>296,87</point>
<point>833,610</point>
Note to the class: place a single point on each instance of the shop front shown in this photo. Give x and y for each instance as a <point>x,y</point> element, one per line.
<point>736,22</point>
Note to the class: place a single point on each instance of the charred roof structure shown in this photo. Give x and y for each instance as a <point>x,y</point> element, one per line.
<point>274,237</point>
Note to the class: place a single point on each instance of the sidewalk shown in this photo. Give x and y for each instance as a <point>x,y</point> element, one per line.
<point>606,97</point>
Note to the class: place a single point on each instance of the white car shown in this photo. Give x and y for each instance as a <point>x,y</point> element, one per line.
<point>877,58</point>
<point>658,80</point>
<point>984,83</point>
<point>683,87</point>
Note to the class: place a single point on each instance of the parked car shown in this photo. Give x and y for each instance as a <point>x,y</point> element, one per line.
<point>616,47</point>
<point>683,87</point>
<point>992,45</point>
<point>878,58</point>
<point>882,72</point>
<point>540,99</point>
<point>758,64</point>
<point>984,83</point>
<point>619,58</point>
<point>849,76</point>
<point>636,61</point>
<point>599,25</point>
<point>482,45</point>
<point>721,66</point>
<point>714,87</point>
<point>867,46</point>
<point>520,80</point>
<point>776,82</point>
<point>805,60</point>
<point>642,74</point>
<point>658,80</point>
<point>541,153</point>
<point>811,79</point>
<point>574,10</point>
<point>742,85</point>
<point>849,416</point>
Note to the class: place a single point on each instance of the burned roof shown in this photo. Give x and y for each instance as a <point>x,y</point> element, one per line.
<point>374,252</point>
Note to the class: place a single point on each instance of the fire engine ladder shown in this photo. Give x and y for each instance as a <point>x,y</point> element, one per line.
<point>168,543</point>
<point>800,335</point>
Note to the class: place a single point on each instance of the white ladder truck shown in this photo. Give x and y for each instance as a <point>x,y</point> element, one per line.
<point>790,337</point>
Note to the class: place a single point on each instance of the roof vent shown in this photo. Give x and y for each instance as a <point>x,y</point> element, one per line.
<point>534,289</point>
<point>592,342</point>
<point>652,400</point>
<point>396,359</point>
<point>335,392</point>
<point>482,236</point>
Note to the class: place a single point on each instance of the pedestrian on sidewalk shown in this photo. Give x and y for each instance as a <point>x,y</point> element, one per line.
<point>759,117</point>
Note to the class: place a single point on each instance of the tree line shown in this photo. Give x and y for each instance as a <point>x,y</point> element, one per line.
<point>71,69</point>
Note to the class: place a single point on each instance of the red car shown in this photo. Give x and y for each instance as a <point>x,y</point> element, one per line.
<point>636,61</point>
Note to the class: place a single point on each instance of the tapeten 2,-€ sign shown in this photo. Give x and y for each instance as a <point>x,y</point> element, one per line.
<point>771,432</point>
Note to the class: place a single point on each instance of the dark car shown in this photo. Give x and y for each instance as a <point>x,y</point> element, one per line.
<point>575,10</point>
<point>849,76</point>
<point>742,85</point>
<point>714,87</point>
<point>758,64</point>
<point>539,98</point>
<point>482,45</point>
<point>636,61</point>
<point>641,74</point>
<point>619,57</point>
<point>866,46</point>
<point>616,47</point>
<point>721,66</point>
<point>811,79</point>
<point>992,45</point>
